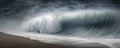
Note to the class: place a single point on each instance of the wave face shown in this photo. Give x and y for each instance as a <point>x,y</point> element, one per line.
<point>82,23</point>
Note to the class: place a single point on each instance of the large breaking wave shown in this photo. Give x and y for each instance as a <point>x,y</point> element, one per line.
<point>69,23</point>
<point>80,23</point>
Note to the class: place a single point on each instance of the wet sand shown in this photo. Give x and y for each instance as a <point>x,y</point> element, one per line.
<point>11,41</point>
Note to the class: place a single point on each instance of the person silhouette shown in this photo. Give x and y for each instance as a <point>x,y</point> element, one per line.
<point>38,31</point>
